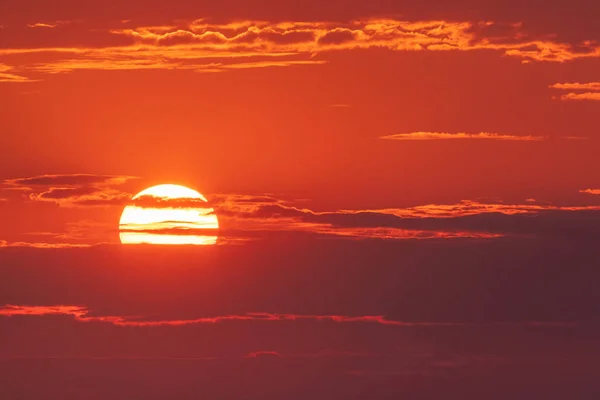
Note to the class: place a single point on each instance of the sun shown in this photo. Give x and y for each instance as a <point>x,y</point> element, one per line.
<point>168,214</point>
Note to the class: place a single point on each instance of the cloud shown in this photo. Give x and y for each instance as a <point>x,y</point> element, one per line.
<point>4,244</point>
<point>590,191</point>
<point>69,180</point>
<point>577,86</point>
<point>263,64</point>
<point>580,96</point>
<point>7,76</point>
<point>257,354</point>
<point>177,228</point>
<point>82,197</point>
<point>467,219</point>
<point>185,45</point>
<point>460,136</point>
<point>395,35</point>
<point>42,25</point>
<point>592,91</point>
<point>151,201</point>
<point>82,314</point>
<point>244,218</point>
<point>248,216</point>
<point>73,190</point>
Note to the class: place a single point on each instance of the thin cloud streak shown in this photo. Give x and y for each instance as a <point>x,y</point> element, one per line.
<point>81,314</point>
<point>264,64</point>
<point>42,25</point>
<point>594,96</point>
<point>7,75</point>
<point>73,190</point>
<point>577,86</point>
<point>68,180</point>
<point>590,191</point>
<point>4,244</point>
<point>420,136</point>
<point>592,91</point>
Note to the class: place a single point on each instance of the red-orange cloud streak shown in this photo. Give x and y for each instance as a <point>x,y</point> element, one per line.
<point>82,314</point>
<point>460,136</point>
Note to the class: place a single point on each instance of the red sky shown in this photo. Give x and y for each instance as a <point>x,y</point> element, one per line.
<point>423,163</point>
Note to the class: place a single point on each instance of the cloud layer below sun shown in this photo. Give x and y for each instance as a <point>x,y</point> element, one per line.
<point>253,217</point>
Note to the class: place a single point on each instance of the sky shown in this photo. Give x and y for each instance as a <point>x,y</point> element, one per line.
<point>407,194</point>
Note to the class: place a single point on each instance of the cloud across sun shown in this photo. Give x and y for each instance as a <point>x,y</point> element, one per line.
<point>168,214</point>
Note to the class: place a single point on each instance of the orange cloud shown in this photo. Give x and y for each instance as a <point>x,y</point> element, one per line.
<point>81,314</point>
<point>185,45</point>
<point>42,25</point>
<point>577,86</point>
<point>396,35</point>
<point>590,191</point>
<point>580,96</point>
<point>469,207</point>
<point>5,76</point>
<point>592,91</point>
<point>4,243</point>
<point>9,310</point>
<point>263,64</point>
<point>461,135</point>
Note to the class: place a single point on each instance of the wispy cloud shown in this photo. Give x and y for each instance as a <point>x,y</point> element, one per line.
<point>591,91</point>
<point>577,86</point>
<point>7,75</point>
<point>396,35</point>
<point>264,64</point>
<point>460,136</point>
<point>82,314</point>
<point>4,244</point>
<point>580,96</point>
<point>189,45</point>
<point>590,191</point>
<point>467,219</point>
<point>68,179</point>
<point>73,190</point>
<point>42,25</point>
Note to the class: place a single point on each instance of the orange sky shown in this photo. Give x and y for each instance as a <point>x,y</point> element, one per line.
<point>404,196</point>
<point>301,103</point>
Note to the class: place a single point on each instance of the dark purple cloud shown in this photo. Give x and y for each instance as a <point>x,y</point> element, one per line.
<point>67,180</point>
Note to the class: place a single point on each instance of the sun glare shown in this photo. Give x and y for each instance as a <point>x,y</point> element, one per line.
<point>168,214</point>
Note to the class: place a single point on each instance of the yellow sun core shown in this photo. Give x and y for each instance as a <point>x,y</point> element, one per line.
<point>168,214</point>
